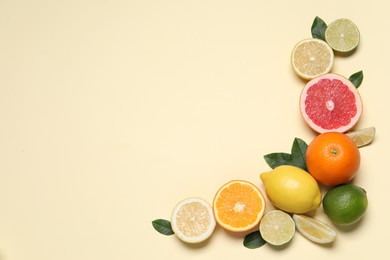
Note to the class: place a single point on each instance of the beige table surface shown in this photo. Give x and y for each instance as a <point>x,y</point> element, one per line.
<point>113,111</point>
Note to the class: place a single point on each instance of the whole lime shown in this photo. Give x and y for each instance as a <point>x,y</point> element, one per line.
<point>345,204</point>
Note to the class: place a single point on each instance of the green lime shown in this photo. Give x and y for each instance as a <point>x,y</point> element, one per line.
<point>342,35</point>
<point>345,204</point>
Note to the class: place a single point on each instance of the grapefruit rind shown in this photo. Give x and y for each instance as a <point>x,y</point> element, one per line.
<point>358,102</point>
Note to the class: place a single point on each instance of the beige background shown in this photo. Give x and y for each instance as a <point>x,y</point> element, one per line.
<point>114,111</point>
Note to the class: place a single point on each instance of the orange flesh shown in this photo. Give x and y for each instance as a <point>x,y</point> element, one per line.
<point>238,206</point>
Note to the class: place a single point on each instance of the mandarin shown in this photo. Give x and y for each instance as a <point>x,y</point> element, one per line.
<point>332,158</point>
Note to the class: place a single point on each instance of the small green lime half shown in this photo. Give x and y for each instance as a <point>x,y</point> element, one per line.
<point>342,35</point>
<point>345,204</point>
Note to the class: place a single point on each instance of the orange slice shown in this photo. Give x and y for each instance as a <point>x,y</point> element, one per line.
<point>238,206</point>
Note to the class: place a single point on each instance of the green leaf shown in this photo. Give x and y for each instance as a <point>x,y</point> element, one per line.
<point>318,28</point>
<point>357,78</point>
<point>298,153</point>
<point>163,226</point>
<point>254,240</point>
<point>276,159</point>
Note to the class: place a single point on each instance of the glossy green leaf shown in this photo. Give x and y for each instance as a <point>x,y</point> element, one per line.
<point>163,226</point>
<point>357,78</point>
<point>298,153</point>
<point>276,159</point>
<point>254,240</point>
<point>318,28</point>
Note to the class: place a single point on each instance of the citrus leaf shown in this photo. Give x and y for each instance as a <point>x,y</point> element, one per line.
<point>163,226</point>
<point>357,78</point>
<point>318,28</point>
<point>298,153</point>
<point>254,240</point>
<point>276,159</point>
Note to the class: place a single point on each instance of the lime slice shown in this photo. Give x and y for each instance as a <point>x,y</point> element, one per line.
<point>311,58</point>
<point>314,230</point>
<point>342,35</point>
<point>277,227</point>
<point>362,137</point>
<point>193,220</point>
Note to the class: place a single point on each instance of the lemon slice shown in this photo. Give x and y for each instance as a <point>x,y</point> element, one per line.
<point>314,230</point>
<point>342,35</point>
<point>311,58</point>
<point>362,137</point>
<point>193,220</point>
<point>277,227</point>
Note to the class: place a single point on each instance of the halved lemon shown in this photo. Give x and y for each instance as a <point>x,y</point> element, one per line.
<point>314,229</point>
<point>277,227</point>
<point>311,58</point>
<point>193,220</point>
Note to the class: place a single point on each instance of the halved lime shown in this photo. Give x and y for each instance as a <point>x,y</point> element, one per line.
<point>362,137</point>
<point>277,227</point>
<point>342,35</point>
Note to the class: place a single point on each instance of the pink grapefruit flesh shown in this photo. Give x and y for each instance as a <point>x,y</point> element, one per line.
<point>330,103</point>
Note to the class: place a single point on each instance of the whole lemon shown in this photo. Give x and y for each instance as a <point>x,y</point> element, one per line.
<point>291,189</point>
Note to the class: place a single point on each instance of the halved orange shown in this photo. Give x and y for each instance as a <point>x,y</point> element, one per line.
<point>238,206</point>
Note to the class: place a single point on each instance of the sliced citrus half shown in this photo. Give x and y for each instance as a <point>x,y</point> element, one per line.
<point>314,229</point>
<point>311,58</point>
<point>342,35</point>
<point>193,220</point>
<point>238,206</point>
<point>330,103</point>
<point>363,136</point>
<point>277,227</point>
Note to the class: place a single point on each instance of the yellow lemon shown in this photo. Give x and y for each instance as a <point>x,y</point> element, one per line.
<point>291,189</point>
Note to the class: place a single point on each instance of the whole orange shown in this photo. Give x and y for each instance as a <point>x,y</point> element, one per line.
<point>332,158</point>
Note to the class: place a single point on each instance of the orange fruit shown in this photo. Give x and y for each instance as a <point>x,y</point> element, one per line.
<point>332,158</point>
<point>238,206</point>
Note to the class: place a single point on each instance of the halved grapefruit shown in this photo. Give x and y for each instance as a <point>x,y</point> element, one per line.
<point>330,103</point>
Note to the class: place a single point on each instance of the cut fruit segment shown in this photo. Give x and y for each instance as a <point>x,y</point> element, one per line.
<point>277,227</point>
<point>238,206</point>
<point>342,35</point>
<point>193,220</point>
<point>330,103</point>
<point>362,137</point>
<point>314,229</point>
<point>311,58</point>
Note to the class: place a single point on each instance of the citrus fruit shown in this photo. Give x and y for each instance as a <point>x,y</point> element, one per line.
<point>362,137</point>
<point>193,220</point>
<point>291,189</point>
<point>277,227</point>
<point>345,204</point>
<point>330,103</point>
<point>314,229</point>
<point>238,206</point>
<point>311,58</point>
<point>332,158</point>
<point>342,35</point>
